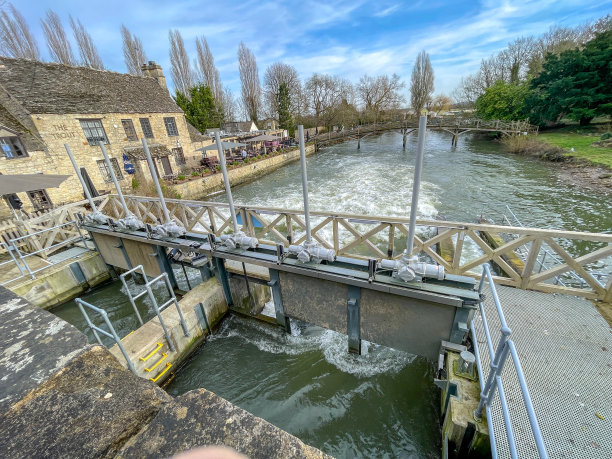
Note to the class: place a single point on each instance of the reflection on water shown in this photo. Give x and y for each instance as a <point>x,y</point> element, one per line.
<point>380,404</point>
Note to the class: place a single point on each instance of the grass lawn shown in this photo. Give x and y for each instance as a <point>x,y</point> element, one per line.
<point>573,137</point>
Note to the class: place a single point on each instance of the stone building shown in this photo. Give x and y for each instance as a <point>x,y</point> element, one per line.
<point>44,106</point>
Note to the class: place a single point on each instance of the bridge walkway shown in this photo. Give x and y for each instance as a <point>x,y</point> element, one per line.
<point>565,347</point>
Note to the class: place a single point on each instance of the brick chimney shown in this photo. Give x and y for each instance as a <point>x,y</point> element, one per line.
<point>154,70</point>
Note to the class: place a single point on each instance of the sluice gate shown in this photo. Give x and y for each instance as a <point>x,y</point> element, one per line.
<point>345,295</point>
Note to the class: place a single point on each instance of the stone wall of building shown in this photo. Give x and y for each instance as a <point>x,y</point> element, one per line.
<point>56,130</point>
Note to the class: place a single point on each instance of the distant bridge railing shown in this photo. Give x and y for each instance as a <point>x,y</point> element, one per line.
<point>461,248</point>
<point>455,126</point>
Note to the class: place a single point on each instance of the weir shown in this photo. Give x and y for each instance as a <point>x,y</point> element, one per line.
<point>438,311</point>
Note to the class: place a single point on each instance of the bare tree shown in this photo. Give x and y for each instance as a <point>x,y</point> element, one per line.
<point>230,108</point>
<point>181,72</point>
<point>379,94</point>
<point>422,82</point>
<point>57,41</point>
<point>249,80</point>
<point>276,75</point>
<point>16,39</point>
<point>133,52</point>
<point>440,103</point>
<point>87,49</point>
<point>325,95</point>
<point>208,71</point>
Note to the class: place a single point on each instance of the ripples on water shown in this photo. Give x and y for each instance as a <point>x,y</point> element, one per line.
<point>380,404</point>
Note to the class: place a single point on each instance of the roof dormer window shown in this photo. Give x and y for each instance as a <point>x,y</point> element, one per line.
<point>12,147</point>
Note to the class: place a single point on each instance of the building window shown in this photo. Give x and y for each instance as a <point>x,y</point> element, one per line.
<point>130,132</point>
<point>171,126</point>
<point>106,173</point>
<point>40,199</point>
<point>94,131</point>
<point>145,124</point>
<point>179,156</point>
<point>12,147</point>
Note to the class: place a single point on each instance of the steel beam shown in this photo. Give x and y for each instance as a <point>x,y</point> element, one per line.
<point>353,319</point>
<point>277,297</point>
<point>223,277</point>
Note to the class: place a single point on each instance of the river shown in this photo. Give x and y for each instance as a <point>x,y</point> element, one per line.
<point>382,404</point>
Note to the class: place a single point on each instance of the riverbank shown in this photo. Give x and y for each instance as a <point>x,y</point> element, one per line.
<point>580,155</point>
<point>197,187</point>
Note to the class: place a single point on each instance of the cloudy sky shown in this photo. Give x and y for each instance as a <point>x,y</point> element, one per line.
<point>346,38</point>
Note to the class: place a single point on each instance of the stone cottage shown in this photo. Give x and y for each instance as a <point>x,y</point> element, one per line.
<point>45,105</point>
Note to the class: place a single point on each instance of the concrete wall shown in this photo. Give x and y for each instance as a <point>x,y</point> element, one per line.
<point>59,284</point>
<point>63,397</point>
<point>197,189</point>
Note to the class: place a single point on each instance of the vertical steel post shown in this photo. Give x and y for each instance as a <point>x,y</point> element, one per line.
<point>304,182</point>
<point>228,190</point>
<point>80,177</point>
<point>111,171</point>
<point>277,298</point>
<point>162,201</point>
<point>416,186</point>
<point>91,326</point>
<point>118,341</point>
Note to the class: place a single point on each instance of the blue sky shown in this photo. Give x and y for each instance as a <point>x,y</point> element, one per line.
<point>346,38</point>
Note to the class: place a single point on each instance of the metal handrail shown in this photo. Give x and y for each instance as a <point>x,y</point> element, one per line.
<point>95,329</point>
<point>548,253</point>
<point>158,309</point>
<point>494,381</point>
<point>13,249</point>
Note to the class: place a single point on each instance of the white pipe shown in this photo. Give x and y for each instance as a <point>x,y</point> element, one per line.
<point>111,171</point>
<point>228,190</point>
<point>80,177</point>
<point>304,182</point>
<point>416,186</point>
<point>155,180</point>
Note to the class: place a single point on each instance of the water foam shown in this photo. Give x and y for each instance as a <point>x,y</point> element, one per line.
<point>306,338</point>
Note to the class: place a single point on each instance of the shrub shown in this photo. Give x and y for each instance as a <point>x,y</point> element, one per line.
<point>195,174</point>
<point>606,135</point>
<point>218,167</point>
<point>180,177</point>
<point>526,145</point>
<point>207,171</point>
<point>135,183</point>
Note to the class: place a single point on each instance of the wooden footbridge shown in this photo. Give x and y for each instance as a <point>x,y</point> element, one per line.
<point>454,126</point>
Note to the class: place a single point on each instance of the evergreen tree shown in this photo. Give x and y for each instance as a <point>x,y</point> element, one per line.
<point>285,118</point>
<point>502,101</point>
<point>201,110</point>
<point>576,84</point>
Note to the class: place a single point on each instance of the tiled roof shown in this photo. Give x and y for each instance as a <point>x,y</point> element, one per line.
<point>46,88</point>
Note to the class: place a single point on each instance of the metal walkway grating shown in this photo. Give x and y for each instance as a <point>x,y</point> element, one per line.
<point>565,348</point>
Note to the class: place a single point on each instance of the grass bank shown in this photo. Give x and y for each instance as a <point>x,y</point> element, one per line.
<point>584,144</point>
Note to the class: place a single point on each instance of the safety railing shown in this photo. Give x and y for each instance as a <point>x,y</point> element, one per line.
<point>148,285</point>
<point>494,383</point>
<point>19,258</point>
<point>111,333</point>
<point>369,236</point>
<point>10,249</point>
<point>523,252</point>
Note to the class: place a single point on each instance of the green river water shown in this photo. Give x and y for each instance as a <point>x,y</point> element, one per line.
<point>381,404</point>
